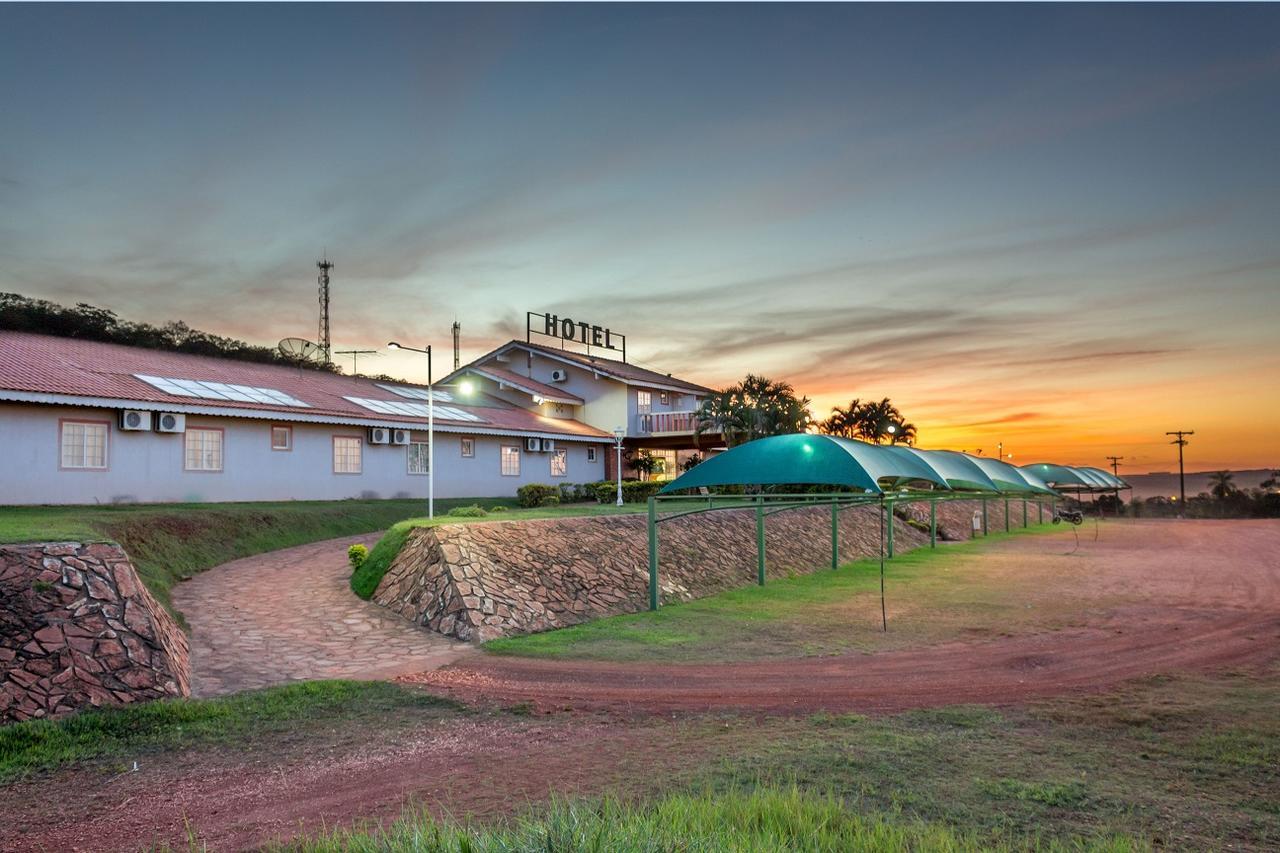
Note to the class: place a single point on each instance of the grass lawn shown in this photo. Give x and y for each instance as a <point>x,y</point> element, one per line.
<point>932,594</point>
<point>364,581</point>
<point>128,732</point>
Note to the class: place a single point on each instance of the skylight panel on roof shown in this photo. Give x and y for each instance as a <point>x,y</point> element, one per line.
<point>413,410</point>
<point>222,391</point>
<point>417,393</point>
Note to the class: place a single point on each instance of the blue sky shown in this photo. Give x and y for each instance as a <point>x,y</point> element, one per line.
<point>1049,225</point>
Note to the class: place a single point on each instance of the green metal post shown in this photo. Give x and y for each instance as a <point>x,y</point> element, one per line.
<point>1006,515</point>
<point>889,519</point>
<point>835,534</point>
<point>1024,512</point>
<point>1040,517</point>
<point>653,554</point>
<point>933,523</point>
<point>984,517</point>
<point>760,539</point>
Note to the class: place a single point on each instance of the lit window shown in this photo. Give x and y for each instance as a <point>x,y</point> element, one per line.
<point>510,461</point>
<point>84,445</point>
<point>644,402</point>
<point>664,398</point>
<point>559,463</point>
<point>468,447</point>
<point>346,454</point>
<point>203,449</point>
<point>419,458</point>
<point>591,454</point>
<point>281,438</point>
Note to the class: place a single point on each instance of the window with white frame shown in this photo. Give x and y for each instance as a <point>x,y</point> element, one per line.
<point>202,449</point>
<point>664,398</point>
<point>468,447</point>
<point>644,402</point>
<point>559,463</point>
<point>591,453</point>
<point>419,457</point>
<point>346,454</point>
<point>281,438</point>
<point>510,461</point>
<point>84,445</point>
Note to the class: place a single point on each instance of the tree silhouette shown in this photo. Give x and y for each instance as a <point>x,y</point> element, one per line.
<point>754,408</point>
<point>1222,484</point>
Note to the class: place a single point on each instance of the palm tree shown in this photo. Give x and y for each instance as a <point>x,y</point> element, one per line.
<point>904,432</point>
<point>754,408</point>
<point>1272,481</point>
<point>843,422</point>
<point>876,418</point>
<point>1222,484</point>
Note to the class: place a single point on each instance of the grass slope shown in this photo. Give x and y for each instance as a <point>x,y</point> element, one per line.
<point>365,580</point>
<point>168,542</point>
<point>764,819</point>
<point>824,612</point>
<point>180,724</point>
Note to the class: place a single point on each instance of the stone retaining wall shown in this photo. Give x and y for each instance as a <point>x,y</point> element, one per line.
<point>78,629</point>
<point>480,581</point>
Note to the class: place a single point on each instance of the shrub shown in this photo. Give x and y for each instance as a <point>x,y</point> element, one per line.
<point>356,555</point>
<point>473,511</point>
<point>535,494</point>
<point>550,500</point>
<point>498,508</point>
<point>633,491</point>
<point>566,493</point>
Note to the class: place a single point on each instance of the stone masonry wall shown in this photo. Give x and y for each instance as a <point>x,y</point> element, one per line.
<point>78,629</point>
<point>480,581</point>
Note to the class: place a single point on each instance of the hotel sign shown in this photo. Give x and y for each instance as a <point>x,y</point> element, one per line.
<point>567,329</point>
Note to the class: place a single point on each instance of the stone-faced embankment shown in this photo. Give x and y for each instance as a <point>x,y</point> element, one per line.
<point>487,580</point>
<point>78,629</point>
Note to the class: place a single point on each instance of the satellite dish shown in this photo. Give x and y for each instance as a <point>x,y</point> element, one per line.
<point>299,350</point>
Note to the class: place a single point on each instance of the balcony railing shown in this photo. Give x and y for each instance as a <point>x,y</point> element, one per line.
<point>665,423</point>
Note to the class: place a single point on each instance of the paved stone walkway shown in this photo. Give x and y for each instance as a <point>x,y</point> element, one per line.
<point>289,616</point>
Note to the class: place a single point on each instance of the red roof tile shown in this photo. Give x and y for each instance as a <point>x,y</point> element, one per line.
<point>524,383</point>
<point>44,364</point>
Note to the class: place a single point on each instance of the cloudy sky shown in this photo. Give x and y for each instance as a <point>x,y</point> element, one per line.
<point>1055,227</point>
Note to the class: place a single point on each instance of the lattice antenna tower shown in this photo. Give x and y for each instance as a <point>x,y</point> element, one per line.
<point>326,352</point>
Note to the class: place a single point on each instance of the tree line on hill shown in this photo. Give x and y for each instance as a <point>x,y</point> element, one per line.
<point>1224,499</point>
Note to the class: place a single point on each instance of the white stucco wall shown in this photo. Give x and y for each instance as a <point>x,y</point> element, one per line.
<point>148,466</point>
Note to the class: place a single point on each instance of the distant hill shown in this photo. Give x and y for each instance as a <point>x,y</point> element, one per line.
<point>1166,482</point>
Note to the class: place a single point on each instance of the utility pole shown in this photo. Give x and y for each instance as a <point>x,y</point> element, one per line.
<point>1115,464</point>
<point>1181,441</point>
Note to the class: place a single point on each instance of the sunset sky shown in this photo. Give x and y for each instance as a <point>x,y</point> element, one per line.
<point>1056,227</point>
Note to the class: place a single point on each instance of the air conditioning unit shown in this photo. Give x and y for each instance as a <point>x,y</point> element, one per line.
<point>170,422</point>
<point>548,445</point>
<point>400,436</point>
<point>559,376</point>
<point>533,445</point>
<point>379,435</point>
<point>134,420</point>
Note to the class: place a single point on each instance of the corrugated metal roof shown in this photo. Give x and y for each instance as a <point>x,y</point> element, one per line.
<point>621,370</point>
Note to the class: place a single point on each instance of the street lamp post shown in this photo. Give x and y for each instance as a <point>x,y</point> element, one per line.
<point>618,434</point>
<point>431,429</point>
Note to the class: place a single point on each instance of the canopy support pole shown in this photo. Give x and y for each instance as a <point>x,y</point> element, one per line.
<point>1006,515</point>
<point>985,529</point>
<point>835,534</point>
<point>1040,504</point>
<point>1024,512</point>
<point>889,518</point>
<point>760,539</point>
<point>653,553</point>
<point>884,617</point>
<point>933,523</point>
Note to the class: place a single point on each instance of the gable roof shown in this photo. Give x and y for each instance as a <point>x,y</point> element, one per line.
<point>72,371</point>
<point>524,383</point>
<point>614,369</point>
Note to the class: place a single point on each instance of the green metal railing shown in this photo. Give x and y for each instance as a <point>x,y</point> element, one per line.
<point>767,504</point>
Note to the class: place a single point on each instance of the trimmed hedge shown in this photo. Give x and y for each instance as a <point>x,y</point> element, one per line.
<point>536,495</point>
<point>633,491</point>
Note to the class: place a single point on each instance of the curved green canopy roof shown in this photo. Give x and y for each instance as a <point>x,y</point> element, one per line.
<point>1107,477</point>
<point>802,458</point>
<point>955,468</point>
<point>1005,476</point>
<point>1034,481</point>
<point>1059,475</point>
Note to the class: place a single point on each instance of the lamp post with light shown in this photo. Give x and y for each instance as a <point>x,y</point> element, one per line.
<point>618,435</point>
<point>465,387</point>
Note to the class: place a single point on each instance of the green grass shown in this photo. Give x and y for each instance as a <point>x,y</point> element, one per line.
<point>227,722</point>
<point>365,580</point>
<point>823,612</point>
<point>169,542</point>
<point>763,819</point>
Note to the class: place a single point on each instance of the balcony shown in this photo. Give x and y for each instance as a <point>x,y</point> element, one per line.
<point>666,423</point>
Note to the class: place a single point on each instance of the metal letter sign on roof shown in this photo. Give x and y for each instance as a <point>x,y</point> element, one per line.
<point>568,329</point>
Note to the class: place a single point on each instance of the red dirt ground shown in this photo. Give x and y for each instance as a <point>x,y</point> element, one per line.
<point>1193,596</point>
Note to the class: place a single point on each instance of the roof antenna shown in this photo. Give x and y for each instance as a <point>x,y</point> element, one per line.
<point>457,333</point>
<point>325,349</point>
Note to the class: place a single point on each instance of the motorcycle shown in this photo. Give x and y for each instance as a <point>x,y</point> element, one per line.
<point>1074,516</point>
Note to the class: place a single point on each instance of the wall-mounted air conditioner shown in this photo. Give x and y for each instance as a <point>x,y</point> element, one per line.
<point>400,436</point>
<point>170,422</point>
<point>379,435</point>
<point>134,420</point>
<point>533,445</point>
<point>559,376</point>
<point>548,445</point>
